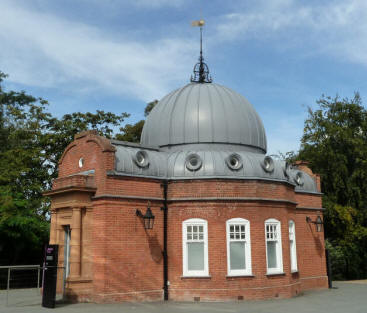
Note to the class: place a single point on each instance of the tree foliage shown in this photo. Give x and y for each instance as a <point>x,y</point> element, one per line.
<point>31,143</point>
<point>335,144</point>
<point>132,132</point>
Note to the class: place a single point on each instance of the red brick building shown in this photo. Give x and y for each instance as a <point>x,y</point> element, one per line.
<point>230,223</point>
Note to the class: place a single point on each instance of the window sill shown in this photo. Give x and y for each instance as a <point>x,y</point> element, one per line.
<point>193,277</point>
<point>78,279</point>
<point>294,272</point>
<point>275,274</point>
<point>240,276</point>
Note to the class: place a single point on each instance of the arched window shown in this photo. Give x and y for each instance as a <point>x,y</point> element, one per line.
<point>292,246</point>
<point>274,258</point>
<point>238,247</point>
<point>195,247</point>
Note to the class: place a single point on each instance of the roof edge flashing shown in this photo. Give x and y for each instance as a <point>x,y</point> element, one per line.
<point>117,173</point>
<point>132,145</point>
<point>213,146</point>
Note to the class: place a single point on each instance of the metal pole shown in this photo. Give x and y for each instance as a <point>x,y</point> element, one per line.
<point>328,269</point>
<point>8,286</point>
<point>165,257</point>
<point>64,283</point>
<point>38,279</point>
<point>201,42</point>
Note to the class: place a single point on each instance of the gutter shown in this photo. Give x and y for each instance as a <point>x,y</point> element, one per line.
<point>165,256</point>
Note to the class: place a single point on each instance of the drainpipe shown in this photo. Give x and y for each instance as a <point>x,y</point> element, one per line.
<point>328,269</point>
<point>165,258</point>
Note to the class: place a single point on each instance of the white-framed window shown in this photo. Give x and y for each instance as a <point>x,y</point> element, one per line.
<point>292,246</point>
<point>274,258</point>
<point>195,247</point>
<point>238,247</point>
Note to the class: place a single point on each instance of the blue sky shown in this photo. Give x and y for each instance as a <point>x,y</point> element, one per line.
<point>282,55</point>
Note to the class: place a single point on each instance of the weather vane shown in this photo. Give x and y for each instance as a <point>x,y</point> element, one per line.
<point>201,70</point>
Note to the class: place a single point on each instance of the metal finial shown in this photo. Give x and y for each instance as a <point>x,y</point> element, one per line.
<point>201,70</point>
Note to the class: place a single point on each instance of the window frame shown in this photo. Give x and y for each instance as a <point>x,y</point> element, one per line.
<point>248,270</point>
<point>292,246</point>
<point>185,270</point>
<point>67,248</point>
<point>279,250</point>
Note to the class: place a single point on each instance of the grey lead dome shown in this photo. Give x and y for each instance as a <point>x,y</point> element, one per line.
<point>205,115</point>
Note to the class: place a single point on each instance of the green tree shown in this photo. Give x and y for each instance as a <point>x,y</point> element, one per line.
<point>23,222</point>
<point>335,144</point>
<point>31,143</point>
<point>150,106</point>
<point>132,132</point>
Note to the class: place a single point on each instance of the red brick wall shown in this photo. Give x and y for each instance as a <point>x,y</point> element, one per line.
<point>75,181</point>
<point>230,188</point>
<point>310,250</point>
<point>219,286</point>
<point>118,278</point>
<point>130,186</point>
<point>305,200</point>
<point>128,262</point>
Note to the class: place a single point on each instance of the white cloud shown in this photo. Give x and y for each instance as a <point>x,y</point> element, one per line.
<point>158,3</point>
<point>336,28</point>
<point>43,50</point>
<point>146,4</point>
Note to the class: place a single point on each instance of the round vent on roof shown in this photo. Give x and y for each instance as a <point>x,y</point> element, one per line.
<point>299,180</point>
<point>141,158</point>
<point>234,161</point>
<point>193,162</point>
<point>286,168</point>
<point>268,164</point>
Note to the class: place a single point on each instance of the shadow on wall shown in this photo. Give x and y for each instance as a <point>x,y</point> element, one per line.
<point>319,247</point>
<point>155,248</point>
<point>318,244</point>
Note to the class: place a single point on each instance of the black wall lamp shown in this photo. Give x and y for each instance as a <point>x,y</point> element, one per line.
<point>318,222</point>
<point>148,217</point>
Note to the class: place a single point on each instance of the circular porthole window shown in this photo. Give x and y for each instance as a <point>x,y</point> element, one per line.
<point>141,158</point>
<point>193,162</point>
<point>268,164</point>
<point>234,161</point>
<point>81,162</point>
<point>299,179</point>
<point>286,168</point>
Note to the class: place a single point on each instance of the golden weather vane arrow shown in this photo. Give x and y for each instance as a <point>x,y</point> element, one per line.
<point>199,23</point>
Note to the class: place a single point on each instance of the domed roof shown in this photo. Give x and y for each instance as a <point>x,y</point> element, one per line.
<point>204,113</point>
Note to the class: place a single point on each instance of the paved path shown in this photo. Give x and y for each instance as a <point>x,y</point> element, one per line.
<point>350,297</point>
